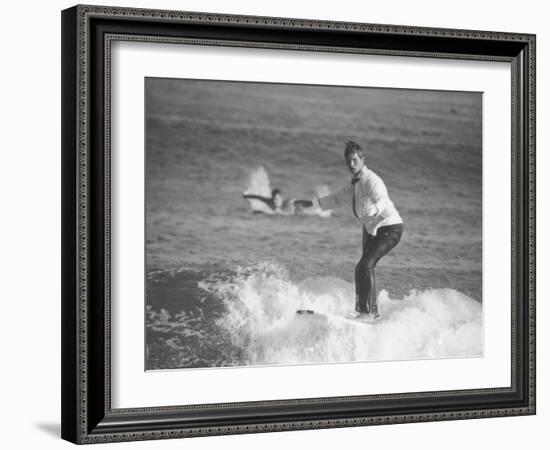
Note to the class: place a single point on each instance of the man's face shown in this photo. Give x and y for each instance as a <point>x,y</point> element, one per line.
<point>355,163</point>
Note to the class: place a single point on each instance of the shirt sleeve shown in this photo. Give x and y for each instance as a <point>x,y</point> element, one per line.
<point>337,199</point>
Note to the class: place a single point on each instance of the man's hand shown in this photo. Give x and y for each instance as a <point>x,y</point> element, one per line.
<point>370,210</point>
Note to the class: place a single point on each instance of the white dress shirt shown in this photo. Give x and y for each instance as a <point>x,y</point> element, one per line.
<point>368,200</point>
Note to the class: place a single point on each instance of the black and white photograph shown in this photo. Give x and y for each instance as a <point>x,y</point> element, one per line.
<point>276,225</point>
<point>303,224</point>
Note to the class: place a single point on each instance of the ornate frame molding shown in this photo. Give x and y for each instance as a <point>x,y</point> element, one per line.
<point>80,424</point>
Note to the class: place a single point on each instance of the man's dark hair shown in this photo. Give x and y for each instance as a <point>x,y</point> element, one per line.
<point>353,147</point>
<point>274,192</point>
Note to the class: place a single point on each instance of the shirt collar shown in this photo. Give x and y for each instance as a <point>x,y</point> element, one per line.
<point>360,175</point>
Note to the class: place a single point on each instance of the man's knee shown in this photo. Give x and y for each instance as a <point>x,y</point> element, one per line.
<point>365,265</point>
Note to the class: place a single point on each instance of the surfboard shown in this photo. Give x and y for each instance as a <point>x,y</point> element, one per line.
<point>362,318</point>
<point>350,316</point>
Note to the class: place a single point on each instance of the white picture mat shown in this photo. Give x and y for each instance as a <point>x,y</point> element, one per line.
<point>133,387</point>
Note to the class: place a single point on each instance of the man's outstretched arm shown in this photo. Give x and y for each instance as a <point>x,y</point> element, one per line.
<point>331,201</point>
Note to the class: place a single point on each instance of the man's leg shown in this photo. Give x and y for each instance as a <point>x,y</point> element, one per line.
<point>365,285</point>
<point>376,247</point>
<point>362,285</point>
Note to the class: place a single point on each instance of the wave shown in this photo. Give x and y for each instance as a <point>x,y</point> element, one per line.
<point>259,184</point>
<point>261,303</point>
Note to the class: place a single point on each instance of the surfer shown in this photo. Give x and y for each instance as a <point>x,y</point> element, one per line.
<point>276,202</point>
<point>369,202</point>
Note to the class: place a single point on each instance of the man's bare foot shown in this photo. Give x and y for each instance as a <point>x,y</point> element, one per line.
<point>368,317</point>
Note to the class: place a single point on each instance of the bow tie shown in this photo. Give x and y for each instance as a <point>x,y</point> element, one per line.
<point>354,180</point>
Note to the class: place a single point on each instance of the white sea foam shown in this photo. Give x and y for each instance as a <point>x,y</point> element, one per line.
<point>261,319</point>
<point>258,184</point>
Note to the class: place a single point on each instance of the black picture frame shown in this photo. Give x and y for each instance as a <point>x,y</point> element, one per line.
<point>87,415</point>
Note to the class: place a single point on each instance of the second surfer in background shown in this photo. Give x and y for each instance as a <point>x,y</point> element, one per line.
<point>367,197</point>
<point>276,202</point>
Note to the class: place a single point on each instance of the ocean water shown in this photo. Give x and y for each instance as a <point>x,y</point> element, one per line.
<point>224,282</point>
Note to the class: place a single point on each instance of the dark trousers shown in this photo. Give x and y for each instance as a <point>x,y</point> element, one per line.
<point>374,247</point>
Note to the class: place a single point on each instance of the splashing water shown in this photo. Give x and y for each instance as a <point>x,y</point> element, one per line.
<point>259,184</point>
<point>261,319</point>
